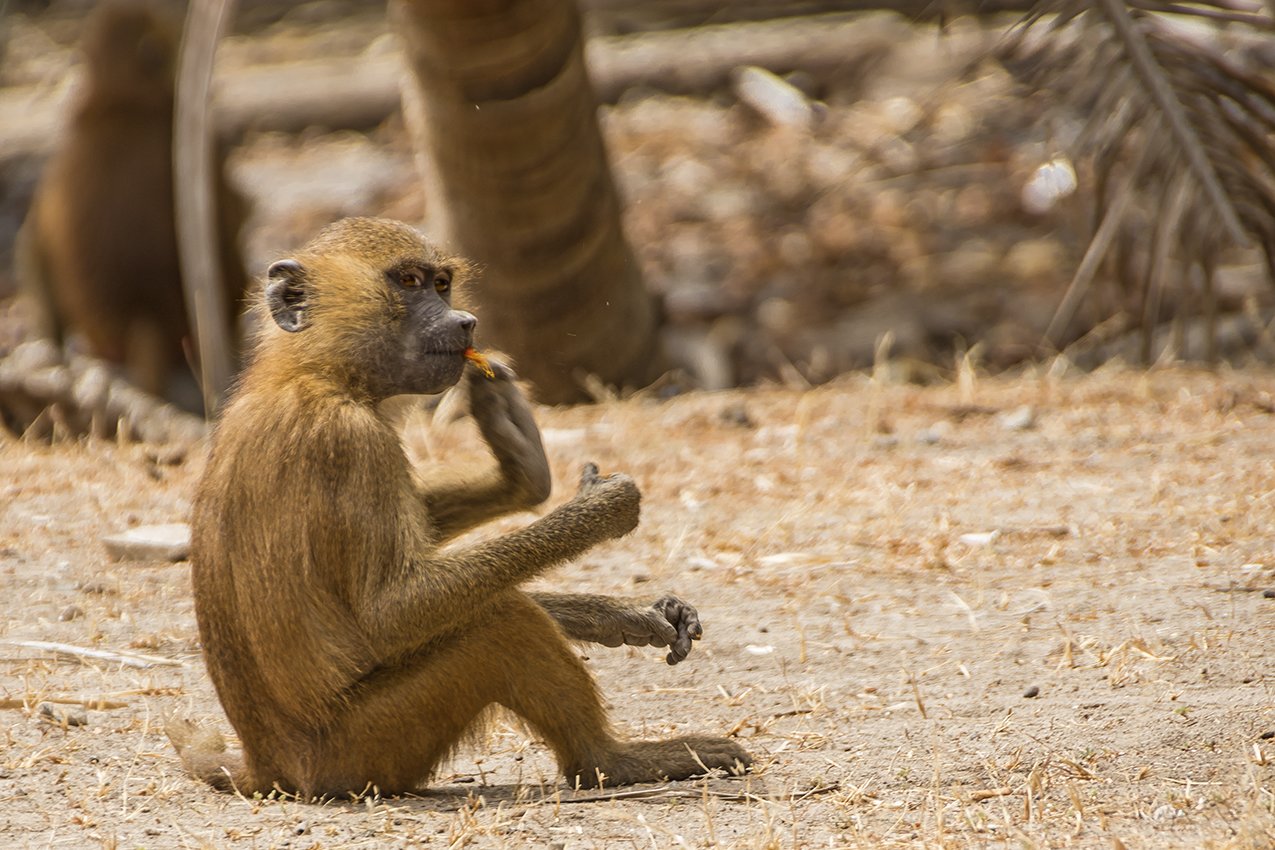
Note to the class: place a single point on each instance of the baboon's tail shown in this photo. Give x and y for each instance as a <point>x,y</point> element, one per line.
<point>203,752</point>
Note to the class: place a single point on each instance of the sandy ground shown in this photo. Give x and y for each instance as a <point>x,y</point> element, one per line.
<point>1023,612</point>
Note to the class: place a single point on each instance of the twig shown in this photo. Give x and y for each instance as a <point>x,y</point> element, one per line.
<point>38,390</point>
<point>96,703</point>
<point>1168,225</point>
<point>1259,22</point>
<point>916,692</point>
<point>1088,267</point>
<point>665,792</point>
<point>128,659</point>
<point>1081,771</point>
<point>793,712</point>
<point>1162,92</point>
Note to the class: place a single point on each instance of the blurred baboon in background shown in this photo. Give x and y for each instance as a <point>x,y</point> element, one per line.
<point>98,251</point>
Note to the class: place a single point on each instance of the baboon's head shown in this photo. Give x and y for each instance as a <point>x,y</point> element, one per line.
<point>369,303</point>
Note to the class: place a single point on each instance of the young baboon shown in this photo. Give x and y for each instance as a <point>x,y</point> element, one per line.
<point>98,251</point>
<point>348,650</point>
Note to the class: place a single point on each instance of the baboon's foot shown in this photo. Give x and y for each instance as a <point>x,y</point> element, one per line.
<point>656,761</point>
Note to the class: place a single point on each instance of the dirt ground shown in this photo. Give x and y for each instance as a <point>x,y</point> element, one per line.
<point>1025,612</point>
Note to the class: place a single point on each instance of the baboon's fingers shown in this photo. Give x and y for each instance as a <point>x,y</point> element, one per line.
<point>507,424</point>
<point>661,631</point>
<point>685,621</point>
<point>503,371</point>
<point>589,477</point>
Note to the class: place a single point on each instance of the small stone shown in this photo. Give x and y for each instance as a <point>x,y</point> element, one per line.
<point>70,612</point>
<point>302,828</point>
<point>736,414</point>
<point>1269,593</point>
<point>774,98</point>
<point>1266,736</point>
<point>1051,182</point>
<point>1031,693</point>
<point>1019,419</point>
<point>980,538</point>
<point>150,543</point>
<point>935,434</point>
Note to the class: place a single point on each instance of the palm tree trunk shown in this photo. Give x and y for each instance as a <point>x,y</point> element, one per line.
<point>517,179</point>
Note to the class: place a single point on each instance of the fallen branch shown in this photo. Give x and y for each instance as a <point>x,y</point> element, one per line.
<point>40,396</point>
<point>344,92</point>
<point>634,15</point>
<point>702,59</point>
<point>128,659</point>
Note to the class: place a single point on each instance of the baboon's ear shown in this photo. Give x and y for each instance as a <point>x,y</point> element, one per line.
<point>286,289</point>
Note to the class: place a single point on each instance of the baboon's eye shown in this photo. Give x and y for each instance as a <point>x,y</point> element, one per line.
<point>411,279</point>
<point>443,284</point>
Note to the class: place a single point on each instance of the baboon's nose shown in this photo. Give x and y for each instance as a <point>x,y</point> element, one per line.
<point>466,321</point>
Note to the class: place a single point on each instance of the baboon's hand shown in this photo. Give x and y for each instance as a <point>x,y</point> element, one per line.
<point>505,419</point>
<point>684,620</point>
<point>615,495</point>
<point>667,622</point>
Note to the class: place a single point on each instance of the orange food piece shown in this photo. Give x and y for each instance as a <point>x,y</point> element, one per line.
<point>473,356</point>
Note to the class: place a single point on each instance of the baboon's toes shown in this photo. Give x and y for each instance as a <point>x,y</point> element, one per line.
<point>677,758</point>
<point>180,731</point>
<point>185,733</point>
<point>723,753</point>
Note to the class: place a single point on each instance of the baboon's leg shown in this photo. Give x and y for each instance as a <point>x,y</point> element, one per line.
<point>401,723</point>
<point>203,752</point>
<point>549,687</point>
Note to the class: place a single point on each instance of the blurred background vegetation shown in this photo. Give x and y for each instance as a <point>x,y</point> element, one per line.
<point>806,188</point>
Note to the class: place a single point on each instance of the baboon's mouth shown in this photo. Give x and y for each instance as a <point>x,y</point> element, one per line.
<point>476,357</point>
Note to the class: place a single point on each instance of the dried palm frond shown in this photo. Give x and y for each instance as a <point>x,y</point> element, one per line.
<point>1176,131</point>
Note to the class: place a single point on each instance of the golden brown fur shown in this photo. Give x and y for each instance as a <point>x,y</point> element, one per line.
<point>98,251</point>
<point>349,651</point>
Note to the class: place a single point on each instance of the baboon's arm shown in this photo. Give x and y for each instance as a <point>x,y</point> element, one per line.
<point>611,621</point>
<point>407,609</point>
<point>521,479</point>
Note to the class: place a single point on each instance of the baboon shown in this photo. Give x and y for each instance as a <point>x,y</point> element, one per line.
<point>98,251</point>
<point>349,651</point>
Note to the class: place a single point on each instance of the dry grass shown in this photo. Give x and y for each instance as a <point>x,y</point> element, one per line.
<point>885,572</point>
